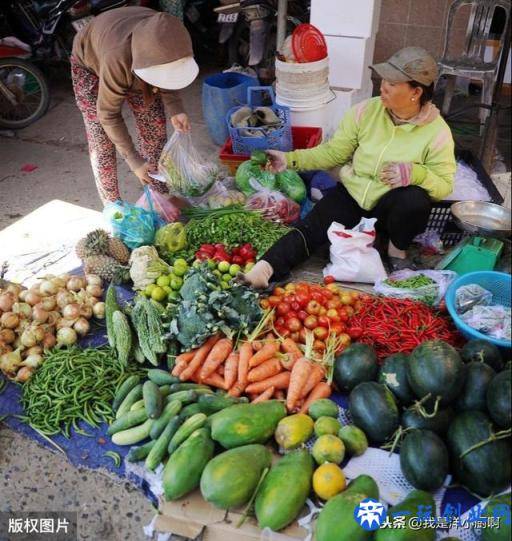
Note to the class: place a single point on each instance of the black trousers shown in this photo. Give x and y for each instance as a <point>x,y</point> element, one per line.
<point>401,214</point>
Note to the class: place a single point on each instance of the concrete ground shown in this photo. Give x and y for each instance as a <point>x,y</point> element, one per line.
<point>31,477</point>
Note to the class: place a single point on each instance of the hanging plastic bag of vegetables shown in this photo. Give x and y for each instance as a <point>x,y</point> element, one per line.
<point>253,169</point>
<point>273,205</point>
<point>290,183</point>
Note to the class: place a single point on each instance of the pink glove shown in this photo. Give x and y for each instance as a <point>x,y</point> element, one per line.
<point>396,174</point>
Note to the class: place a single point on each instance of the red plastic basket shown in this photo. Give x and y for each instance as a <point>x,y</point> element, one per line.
<point>302,137</point>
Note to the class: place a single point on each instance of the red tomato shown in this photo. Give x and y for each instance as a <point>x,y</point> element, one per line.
<point>278,291</point>
<point>318,345</point>
<point>343,314</point>
<point>345,339</point>
<point>333,315</point>
<point>294,324</point>
<point>283,308</point>
<point>337,328</point>
<point>285,333</point>
<point>310,322</point>
<point>302,315</point>
<point>355,332</point>
<point>303,289</point>
<point>313,307</point>
<point>280,321</point>
<point>290,287</point>
<point>291,314</point>
<point>238,260</point>
<point>318,297</point>
<point>302,335</point>
<point>321,333</point>
<point>302,299</point>
<point>346,298</point>
<point>295,336</point>
<point>323,321</point>
<point>273,300</point>
<point>264,304</point>
<point>323,311</point>
<point>328,295</point>
<point>295,306</point>
<point>329,279</point>
<point>333,303</point>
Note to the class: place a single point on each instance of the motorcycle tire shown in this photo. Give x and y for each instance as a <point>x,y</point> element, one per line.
<point>39,86</point>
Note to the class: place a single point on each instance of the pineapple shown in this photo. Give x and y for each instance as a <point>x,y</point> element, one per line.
<point>106,267</point>
<point>118,250</point>
<point>94,243</point>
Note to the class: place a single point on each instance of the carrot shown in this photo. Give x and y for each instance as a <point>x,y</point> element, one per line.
<point>243,363</point>
<point>266,352</point>
<point>236,390</point>
<point>290,347</point>
<point>265,370</point>
<point>220,370</point>
<point>215,380</point>
<point>322,390</point>
<point>231,370</point>
<point>216,357</point>
<point>182,361</point>
<point>298,378</point>
<point>257,345</point>
<point>199,357</point>
<point>279,394</point>
<point>316,376</point>
<point>280,381</point>
<point>265,395</point>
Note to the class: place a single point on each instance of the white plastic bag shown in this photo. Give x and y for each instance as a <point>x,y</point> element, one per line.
<point>353,258</point>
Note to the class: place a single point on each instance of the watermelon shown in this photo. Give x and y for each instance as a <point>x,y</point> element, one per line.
<point>438,423</point>
<point>484,352</point>
<point>393,374</point>
<point>499,398</point>
<point>358,363</point>
<point>473,395</point>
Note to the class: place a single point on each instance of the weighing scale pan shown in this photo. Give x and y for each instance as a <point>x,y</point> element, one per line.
<point>482,218</point>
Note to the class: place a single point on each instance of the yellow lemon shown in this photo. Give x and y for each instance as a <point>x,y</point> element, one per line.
<point>328,480</point>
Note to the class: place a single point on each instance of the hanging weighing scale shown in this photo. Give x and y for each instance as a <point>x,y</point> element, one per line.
<point>487,222</point>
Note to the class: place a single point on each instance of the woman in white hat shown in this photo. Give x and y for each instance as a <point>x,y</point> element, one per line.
<point>141,56</point>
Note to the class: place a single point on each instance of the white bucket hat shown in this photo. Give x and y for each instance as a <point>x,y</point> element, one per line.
<point>172,75</point>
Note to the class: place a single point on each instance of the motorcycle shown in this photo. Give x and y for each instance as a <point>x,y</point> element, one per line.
<point>249,30</point>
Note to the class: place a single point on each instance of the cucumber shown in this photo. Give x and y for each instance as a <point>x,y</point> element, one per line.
<point>185,397</point>
<point>161,377</point>
<point>165,390</point>
<point>139,453</point>
<point>175,387</point>
<point>128,384</point>
<point>170,410</point>
<point>129,419</point>
<point>137,405</point>
<point>130,399</point>
<point>133,435</point>
<point>211,403</point>
<point>153,400</point>
<point>159,450</point>
<point>190,410</point>
<point>185,430</point>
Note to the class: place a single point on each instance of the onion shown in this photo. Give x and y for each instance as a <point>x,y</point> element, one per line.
<point>39,314</point>
<point>65,322</point>
<point>7,336</point>
<point>22,308</point>
<point>7,299</point>
<point>91,301</point>
<point>47,288</point>
<point>35,289</point>
<point>23,295</point>
<point>15,289</point>
<point>17,343</point>
<point>64,298</point>
<point>53,317</point>
<point>86,311</point>
<point>71,311</point>
<point>33,298</point>
<point>35,350</point>
<point>10,320</point>
<point>76,283</point>
<point>28,338</point>
<point>93,280</point>
<point>94,290</point>
<point>33,360</point>
<point>49,340</point>
<point>4,348</point>
<point>24,324</point>
<point>99,310</point>
<point>66,336</point>
<point>24,374</point>
<point>59,282</point>
<point>81,326</point>
<point>39,333</point>
<point>48,304</point>
<point>9,362</point>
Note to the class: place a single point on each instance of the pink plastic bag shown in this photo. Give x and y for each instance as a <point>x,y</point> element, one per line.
<point>161,205</point>
<point>274,206</point>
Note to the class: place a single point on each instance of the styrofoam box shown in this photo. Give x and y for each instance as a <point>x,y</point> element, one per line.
<point>349,59</point>
<point>346,17</point>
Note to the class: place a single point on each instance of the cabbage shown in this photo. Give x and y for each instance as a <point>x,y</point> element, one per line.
<point>290,183</point>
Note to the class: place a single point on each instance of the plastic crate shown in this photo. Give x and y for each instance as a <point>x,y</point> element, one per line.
<point>441,219</point>
<point>279,139</point>
<point>302,137</point>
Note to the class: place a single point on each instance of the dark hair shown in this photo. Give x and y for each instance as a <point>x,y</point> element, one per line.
<point>427,94</point>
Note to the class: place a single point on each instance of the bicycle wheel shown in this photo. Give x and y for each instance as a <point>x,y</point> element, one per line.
<point>24,94</point>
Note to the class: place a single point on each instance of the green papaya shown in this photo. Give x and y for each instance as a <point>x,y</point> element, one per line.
<point>498,507</point>
<point>414,501</point>
<point>244,424</point>
<point>183,470</point>
<point>230,479</point>
<point>336,520</point>
<point>290,476</point>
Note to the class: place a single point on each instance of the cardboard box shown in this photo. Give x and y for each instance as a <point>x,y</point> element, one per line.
<point>192,516</point>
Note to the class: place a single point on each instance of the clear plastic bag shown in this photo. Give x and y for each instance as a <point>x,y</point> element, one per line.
<point>152,199</point>
<point>431,293</point>
<point>466,297</point>
<point>186,172</point>
<point>492,320</point>
<point>273,205</point>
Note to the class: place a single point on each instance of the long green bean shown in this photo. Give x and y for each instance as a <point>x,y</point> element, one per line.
<point>73,385</point>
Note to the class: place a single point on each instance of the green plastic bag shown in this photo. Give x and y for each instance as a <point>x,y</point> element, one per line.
<point>290,183</point>
<point>247,171</point>
<point>171,238</point>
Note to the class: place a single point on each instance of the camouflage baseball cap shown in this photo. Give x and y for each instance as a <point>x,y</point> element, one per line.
<point>408,64</point>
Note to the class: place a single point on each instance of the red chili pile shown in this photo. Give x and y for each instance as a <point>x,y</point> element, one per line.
<point>398,326</point>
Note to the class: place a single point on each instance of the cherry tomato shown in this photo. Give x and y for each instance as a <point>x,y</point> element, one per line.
<point>265,304</point>
<point>302,299</point>
<point>343,314</point>
<point>295,306</point>
<point>313,307</point>
<point>318,297</point>
<point>295,336</point>
<point>333,303</point>
<point>323,321</point>
<point>280,321</point>
<point>302,315</point>
<point>311,322</point>
<point>291,314</point>
<point>320,333</point>
<point>337,328</point>
<point>283,308</point>
<point>294,324</point>
<point>346,299</point>
<point>323,311</point>
<point>355,332</point>
<point>273,301</point>
<point>302,289</point>
<point>333,315</point>
<point>329,279</point>
<point>278,291</point>
<point>319,346</point>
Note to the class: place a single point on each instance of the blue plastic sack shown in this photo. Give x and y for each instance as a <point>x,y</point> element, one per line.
<point>134,225</point>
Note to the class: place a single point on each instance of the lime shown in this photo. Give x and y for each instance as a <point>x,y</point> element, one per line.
<point>217,273</point>
<point>227,278</point>
<point>234,269</point>
<point>163,281</point>
<point>212,264</point>
<point>173,295</point>
<point>180,262</point>
<point>167,289</point>
<point>223,266</point>
<point>249,266</point>
<point>176,282</point>
<point>149,290</point>
<point>180,267</point>
<point>158,293</point>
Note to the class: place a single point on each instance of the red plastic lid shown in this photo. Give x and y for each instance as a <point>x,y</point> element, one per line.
<point>308,43</point>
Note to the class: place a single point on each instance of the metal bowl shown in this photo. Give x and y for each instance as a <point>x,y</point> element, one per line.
<point>482,218</point>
